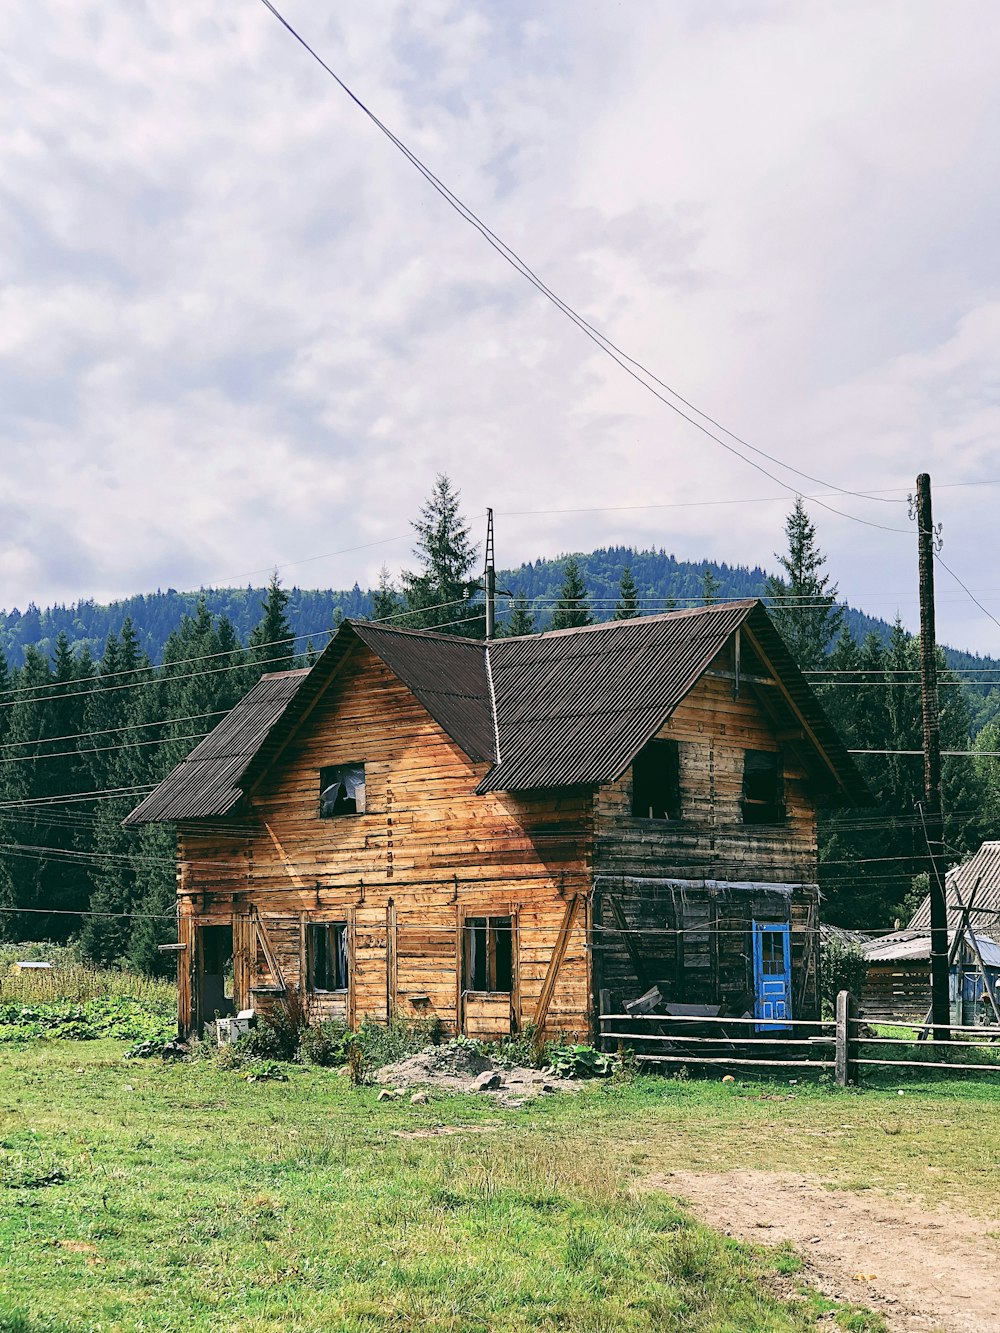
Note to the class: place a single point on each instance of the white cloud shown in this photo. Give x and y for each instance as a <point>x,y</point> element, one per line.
<point>236,327</point>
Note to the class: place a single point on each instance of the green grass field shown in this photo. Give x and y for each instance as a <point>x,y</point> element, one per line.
<point>137,1195</point>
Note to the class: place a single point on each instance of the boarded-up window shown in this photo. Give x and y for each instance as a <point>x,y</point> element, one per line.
<point>763,787</point>
<point>488,948</point>
<point>341,790</point>
<point>327,956</point>
<point>656,785</point>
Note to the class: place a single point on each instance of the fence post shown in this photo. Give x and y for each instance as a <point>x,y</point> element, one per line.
<point>844,1067</point>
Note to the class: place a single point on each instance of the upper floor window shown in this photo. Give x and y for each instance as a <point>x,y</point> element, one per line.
<point>763,787</point>
<point>656,784</point>
<point>341,790</point>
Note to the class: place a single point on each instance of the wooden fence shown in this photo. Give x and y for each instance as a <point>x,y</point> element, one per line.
<point>844,1045</point>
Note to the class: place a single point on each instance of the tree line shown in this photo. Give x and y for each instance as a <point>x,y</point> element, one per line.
<point>84,737</point>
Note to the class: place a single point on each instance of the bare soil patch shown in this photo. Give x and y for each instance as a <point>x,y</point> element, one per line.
<point>923,1269</point>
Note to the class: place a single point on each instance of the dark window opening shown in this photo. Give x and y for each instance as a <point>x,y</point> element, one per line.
<point>763,787</point>
<point>488,949</point>
<point>656,782</point>
<point>327,956</point>
<point>341,790</point>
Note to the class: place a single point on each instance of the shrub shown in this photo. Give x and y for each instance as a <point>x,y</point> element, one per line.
<point>279,1029</point>
<point>325,1043</point>
<point>579,1061</point>
<point>842,967</point>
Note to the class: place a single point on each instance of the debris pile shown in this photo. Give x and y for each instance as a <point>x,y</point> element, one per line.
<point>460,1069</point>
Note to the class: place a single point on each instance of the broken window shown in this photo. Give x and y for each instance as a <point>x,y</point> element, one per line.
<point>489,954</point>
<point>763,787</point>
<point>341,790</point>
<point>656,782</point>
<point>327,956</point>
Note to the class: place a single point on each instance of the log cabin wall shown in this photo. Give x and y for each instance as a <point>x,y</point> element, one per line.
<point>427,855</point>
<point>675,899</point>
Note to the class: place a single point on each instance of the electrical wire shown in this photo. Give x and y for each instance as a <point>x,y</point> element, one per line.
<point>599,339</point>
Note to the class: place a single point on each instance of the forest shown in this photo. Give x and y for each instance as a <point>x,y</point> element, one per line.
<point>98,703</point>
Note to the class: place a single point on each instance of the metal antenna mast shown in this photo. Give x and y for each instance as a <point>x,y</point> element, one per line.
<point>490,579</point>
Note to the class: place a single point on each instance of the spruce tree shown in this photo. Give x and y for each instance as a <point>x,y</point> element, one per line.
<point>710,587</point>
<point>627,607</point>
<point>572,609</point>
<point>804,603</point>
<point>272,644</point>
<point>386,601</point>
<point>438,594</point>
<point>522,619</point>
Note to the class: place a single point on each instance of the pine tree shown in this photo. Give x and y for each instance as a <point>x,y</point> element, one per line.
<point>627,607</point>
<point>804,603</point>
<point>272,642</point>
<point>710,587</point>
<point>522,619</point>
<point>572,609</point>
<point>438,594</point>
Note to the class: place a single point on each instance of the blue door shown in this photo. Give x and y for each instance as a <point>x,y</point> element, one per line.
<point>772,976</point>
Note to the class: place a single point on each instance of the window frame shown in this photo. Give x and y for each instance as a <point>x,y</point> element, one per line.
<point>760,812</point>
<point>327,780</point>
<point>338,949</point>
<point>493,925</point>
<point>672,807</point>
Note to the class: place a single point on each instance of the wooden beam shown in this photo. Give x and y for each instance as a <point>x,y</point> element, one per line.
<point>794,707</point>
<point>628,941</point>
<point>555,963</point>
<point>269,954</point>
<point>292,873</point>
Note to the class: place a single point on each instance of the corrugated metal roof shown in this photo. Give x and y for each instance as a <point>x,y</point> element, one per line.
<point>916,946</point>
<point>572,707</point>
<point>983,868</point>
<point>206,783</point>
<point>576,706</point>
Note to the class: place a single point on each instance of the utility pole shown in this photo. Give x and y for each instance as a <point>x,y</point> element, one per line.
<point>932,812</point>
<point>490,579</point>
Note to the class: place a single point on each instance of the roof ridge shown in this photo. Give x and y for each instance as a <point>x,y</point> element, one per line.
<point>677,614</point>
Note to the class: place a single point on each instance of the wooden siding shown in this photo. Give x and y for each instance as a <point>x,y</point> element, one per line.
<point>656,919</point>
<point>427,853</point>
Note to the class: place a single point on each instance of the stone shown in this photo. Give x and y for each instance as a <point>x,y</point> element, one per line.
<point>388,1095</point>
<point>419,1099</point>
<point>486,1081</point>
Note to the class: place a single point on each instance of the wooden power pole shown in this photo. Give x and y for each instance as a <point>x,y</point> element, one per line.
<point>933,815</point>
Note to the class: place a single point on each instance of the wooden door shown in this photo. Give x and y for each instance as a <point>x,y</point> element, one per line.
<point>772,975</point>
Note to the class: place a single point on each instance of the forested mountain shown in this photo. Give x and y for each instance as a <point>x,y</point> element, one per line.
<point>98,703</point>
<point>661,580</point>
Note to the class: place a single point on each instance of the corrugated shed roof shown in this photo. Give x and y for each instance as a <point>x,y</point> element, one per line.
<point>984,869</point>
<point>560,709</point>
<point>206,783</point>
<point>915,945</point>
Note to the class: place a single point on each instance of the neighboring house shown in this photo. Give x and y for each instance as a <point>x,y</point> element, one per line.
<point>976,881</point>
<point>898,982</point>
<point>510,834</point>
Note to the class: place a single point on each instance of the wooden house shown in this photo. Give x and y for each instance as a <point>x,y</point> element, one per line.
<point>499,834</point>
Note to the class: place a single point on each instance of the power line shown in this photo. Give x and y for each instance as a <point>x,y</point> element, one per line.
<point>599,339</point>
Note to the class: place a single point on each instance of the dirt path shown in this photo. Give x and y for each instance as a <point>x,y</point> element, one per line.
<point>924,1269</point>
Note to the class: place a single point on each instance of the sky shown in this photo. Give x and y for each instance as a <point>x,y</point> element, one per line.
<point>238,330</point>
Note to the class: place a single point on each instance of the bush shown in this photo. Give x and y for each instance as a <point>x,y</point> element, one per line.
<point>279,1029</point>
<point>579,1061</point>
<point>842,967</point>
<point>325,1043</point>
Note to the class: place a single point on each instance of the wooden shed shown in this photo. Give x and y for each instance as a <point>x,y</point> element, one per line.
<point>898,980</point>
<point>976,884</point>
<point>494,834</point>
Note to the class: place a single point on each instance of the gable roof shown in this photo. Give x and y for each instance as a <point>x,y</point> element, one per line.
<point>571,707</point>
<point>982,869</point>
